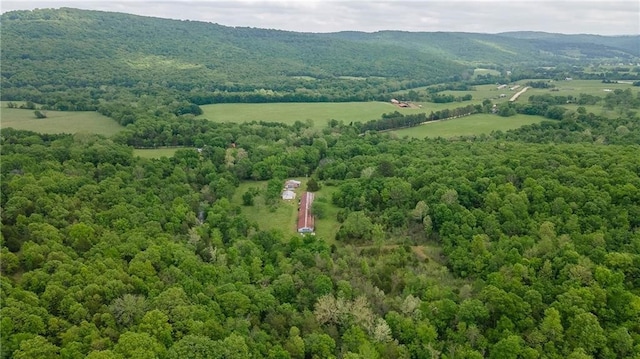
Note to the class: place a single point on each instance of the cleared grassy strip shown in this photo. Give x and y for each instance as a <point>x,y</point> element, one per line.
<point>471,125</point>
<point>480,71</point>
<point>59,122</point>
<point>289,113</point>
<point>283,216</point>
<point>156,152</point>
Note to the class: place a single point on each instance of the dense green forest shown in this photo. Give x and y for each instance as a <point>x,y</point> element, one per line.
<point>106,255</point>
<point>517,244</point>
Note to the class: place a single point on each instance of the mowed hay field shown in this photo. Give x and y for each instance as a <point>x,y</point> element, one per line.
<point>59,122</point>
<point>320,113</point>
<point>470,125</point>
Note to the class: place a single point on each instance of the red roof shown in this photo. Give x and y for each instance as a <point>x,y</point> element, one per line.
<point>305,217</point>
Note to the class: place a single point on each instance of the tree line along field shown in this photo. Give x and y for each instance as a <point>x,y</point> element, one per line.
<point>473,125</point>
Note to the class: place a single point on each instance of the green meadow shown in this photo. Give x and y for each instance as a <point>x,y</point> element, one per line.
<point>288,113</point>
<point>577,87</point>
<point>58,122</point>
<point>470,125</point>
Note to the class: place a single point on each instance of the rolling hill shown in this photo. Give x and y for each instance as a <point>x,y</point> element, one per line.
<point>78,59</point>
<point>522,48</point>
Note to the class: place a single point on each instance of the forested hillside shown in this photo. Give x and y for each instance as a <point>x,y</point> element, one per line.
<point>76,59</point>
<point>510,49</point>
<point>49,50</point>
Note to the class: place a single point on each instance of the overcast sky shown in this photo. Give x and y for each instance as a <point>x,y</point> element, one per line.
<point>616,17</point>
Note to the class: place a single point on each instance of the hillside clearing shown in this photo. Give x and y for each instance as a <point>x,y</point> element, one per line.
<point>283,214</point>
<point>59,122</point>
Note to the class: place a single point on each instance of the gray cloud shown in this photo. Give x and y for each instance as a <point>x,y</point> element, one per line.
<point>489,16</point>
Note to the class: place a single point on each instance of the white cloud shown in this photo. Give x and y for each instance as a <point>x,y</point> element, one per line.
<point>490,16</point>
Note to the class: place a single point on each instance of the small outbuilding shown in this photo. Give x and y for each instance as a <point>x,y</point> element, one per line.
<point>288,195</point>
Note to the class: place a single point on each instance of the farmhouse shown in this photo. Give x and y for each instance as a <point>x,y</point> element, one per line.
<point>291,184</point>
<point>305,217</point>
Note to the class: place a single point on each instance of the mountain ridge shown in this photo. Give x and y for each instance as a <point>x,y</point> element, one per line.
<point>48,50</point>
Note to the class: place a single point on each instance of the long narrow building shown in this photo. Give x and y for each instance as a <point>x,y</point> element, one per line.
<point>305,217</point>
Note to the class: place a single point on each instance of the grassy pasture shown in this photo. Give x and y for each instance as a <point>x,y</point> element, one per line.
<point>577,87</point>
<point>471,125</point>
<point>284,215</point>
<point>481,93</point>
<point>289,113</point>
<point>59,122</point>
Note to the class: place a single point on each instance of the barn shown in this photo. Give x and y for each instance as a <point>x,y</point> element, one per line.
<point>305,217</point>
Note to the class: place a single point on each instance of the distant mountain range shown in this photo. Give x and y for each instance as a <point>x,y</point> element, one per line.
<point>79,48</point>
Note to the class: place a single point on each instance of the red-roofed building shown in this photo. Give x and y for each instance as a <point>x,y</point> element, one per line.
<point>305,217</point>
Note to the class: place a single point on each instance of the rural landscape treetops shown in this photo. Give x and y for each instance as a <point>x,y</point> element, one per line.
<point>183,189</point>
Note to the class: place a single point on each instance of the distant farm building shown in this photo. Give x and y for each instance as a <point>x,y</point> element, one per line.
<point>502,87</point>
<point>288,195</point>
<point>394,101</point>
<point>291,184</point>
<point>305,217</point>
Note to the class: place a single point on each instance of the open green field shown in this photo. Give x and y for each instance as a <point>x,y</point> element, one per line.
<point>562,88</point>
<point>471,125</point>
<point>284,215</point>
<point>59,122</point>
<point>577,87</point>
<point>156,152</point>
<point>481,93</point>
<point>289,113</point>
<point>595,109</point>
<point>480,71</point>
